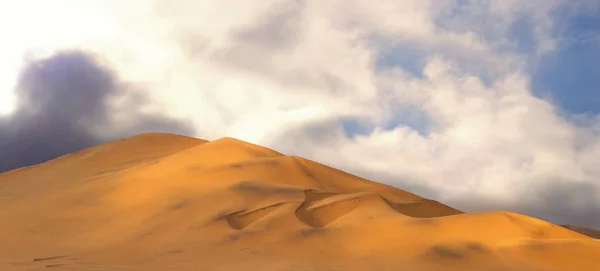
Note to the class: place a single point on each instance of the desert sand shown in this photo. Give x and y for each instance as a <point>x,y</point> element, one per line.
<point>168,202</point>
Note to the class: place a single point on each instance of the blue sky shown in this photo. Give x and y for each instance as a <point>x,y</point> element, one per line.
<point>456,116</point>
<point>570,76</point>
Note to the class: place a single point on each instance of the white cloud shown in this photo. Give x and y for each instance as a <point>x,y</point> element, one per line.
<point>283,73</point>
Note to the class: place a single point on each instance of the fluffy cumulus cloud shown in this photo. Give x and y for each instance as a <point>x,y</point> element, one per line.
<point>435,97</point>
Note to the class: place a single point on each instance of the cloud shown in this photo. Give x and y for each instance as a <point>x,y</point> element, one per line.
<point>70,101</point>
<point>435,98</point>
<point>559,201</point>
<point>498,147</point>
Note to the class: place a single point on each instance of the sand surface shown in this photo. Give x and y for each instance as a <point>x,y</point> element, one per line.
<point>167,202</point>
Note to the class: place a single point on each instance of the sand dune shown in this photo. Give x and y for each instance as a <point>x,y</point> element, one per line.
<point>167,202</point>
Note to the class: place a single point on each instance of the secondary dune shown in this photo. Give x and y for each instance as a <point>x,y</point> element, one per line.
<point>167,202</point>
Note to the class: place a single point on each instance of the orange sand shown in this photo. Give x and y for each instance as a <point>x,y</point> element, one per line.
<point>167,202</point>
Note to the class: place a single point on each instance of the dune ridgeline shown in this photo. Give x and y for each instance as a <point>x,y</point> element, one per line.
<point>168,202</point>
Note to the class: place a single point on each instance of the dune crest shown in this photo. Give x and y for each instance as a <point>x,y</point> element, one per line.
<point>168,202</point>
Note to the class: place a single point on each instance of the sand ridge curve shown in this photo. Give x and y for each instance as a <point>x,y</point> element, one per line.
<point>164,202</point>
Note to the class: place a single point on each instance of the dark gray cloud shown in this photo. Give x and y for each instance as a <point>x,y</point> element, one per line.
<point>308,138</point>
<point>259,47</point>
<point>279,29</point>
<point>63,101</point>
<point>560,202</point>
<point>567,203</point>
<point>254,46</point>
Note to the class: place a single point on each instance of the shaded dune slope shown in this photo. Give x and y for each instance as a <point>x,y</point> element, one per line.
<point>583,230</point>
<point>133,202</point>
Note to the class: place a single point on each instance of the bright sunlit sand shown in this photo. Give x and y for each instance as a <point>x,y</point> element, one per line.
<point>168,202</point>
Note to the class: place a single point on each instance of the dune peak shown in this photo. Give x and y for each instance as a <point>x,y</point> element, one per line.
<point>163,202</point>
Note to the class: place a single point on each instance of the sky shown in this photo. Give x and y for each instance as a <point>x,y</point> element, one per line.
<point>482,105</point>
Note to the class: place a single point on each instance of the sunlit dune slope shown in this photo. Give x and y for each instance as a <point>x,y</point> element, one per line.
<point>167,202</point>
